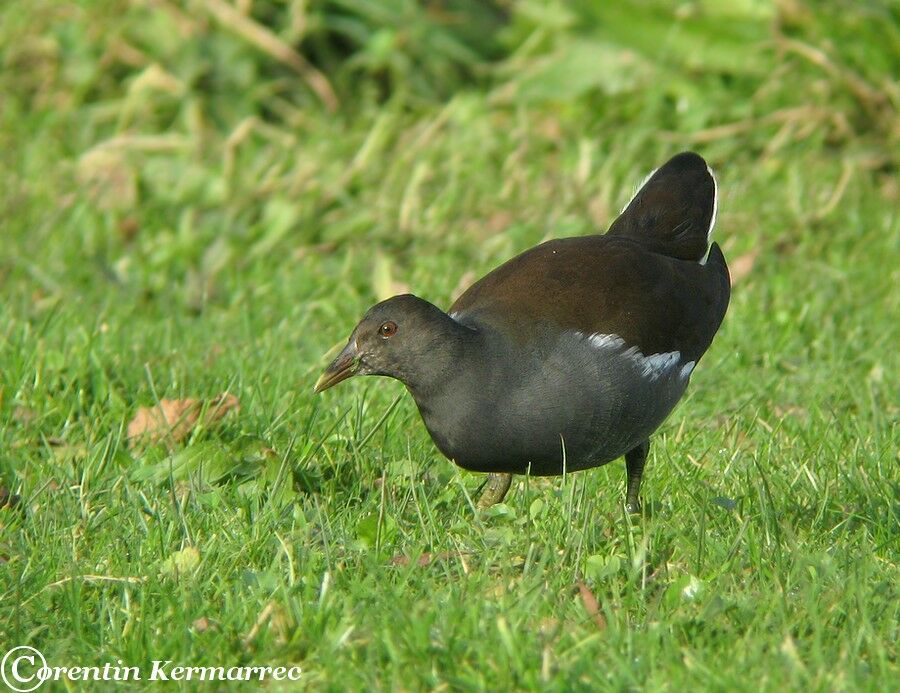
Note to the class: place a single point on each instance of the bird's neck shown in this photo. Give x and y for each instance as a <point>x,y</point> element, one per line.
<point>464,380</point>
<point>453,352</point>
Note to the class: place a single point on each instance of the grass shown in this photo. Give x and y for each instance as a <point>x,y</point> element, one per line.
<point>182,216</point>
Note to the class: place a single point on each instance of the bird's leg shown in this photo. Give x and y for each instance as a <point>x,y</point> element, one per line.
<point>494,490</point>
<point>634,464</point>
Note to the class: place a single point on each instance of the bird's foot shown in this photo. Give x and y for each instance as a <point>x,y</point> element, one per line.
<point>634,463</point>
<point>495,489</point>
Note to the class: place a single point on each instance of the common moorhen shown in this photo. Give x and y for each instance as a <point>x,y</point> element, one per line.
<point>569,355</point>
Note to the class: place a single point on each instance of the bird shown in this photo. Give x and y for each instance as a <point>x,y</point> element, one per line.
<point>569,355</point>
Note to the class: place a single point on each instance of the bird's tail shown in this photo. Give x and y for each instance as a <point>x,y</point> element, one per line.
<point>674,210</point>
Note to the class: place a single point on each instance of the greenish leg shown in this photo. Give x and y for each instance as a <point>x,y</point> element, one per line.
<point>634,464</point>
<point>494,490</point>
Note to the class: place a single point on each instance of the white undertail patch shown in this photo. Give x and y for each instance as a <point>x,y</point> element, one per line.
<point>712,220</point>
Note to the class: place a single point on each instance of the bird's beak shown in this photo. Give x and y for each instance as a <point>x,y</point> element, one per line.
<point>344,366</point>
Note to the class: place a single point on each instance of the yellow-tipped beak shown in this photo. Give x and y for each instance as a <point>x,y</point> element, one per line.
<point>344,366</point>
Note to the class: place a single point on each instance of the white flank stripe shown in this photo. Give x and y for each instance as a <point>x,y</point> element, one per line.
<point>652,366</point>
<point>601,341</point>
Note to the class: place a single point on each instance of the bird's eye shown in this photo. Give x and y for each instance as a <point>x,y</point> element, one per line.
<point>388,329</point>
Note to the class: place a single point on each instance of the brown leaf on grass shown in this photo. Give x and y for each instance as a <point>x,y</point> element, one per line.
<point>741,267</point>
<point>782,411</point>
<point>316,249</point>
<point>278,620</point>
<point>591,605</point>
<point>426,559</point>
<point>128,228</point>
<point>890,189</point>
<point>202,624</point>
<point>549,627</point>
<point>498,221</point>
<point>108,179</point>
<point>219,406</point>
<point>23,414</point>
<point>174,419</point>
<point>215,351</point>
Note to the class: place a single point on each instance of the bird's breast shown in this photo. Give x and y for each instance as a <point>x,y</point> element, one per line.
<point>575,403</point>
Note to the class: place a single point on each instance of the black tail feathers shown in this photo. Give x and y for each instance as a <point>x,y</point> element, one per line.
<point>674,210</point>
<point>715,262</point>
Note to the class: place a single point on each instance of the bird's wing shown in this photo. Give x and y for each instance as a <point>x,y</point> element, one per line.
<point>604,285</point>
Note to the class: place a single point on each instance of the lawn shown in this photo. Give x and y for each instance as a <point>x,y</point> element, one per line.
<point>203,197</point>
